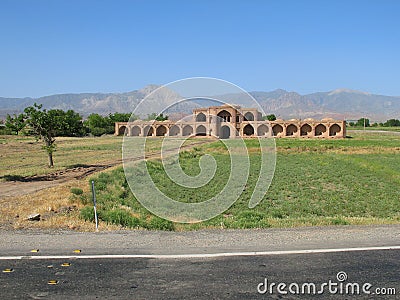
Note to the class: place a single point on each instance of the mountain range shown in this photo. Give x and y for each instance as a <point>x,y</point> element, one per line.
<point>339,104</point>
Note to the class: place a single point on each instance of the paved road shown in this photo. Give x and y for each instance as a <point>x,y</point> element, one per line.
<point>198,278</point>
<point>191,277</point>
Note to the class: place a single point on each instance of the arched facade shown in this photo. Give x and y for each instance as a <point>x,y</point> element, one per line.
<point>224,116</point>
<point>229,121</point>
<point>122,130</point>
<point>334,130</point>
<point>201,130</point>
<point>277,130</point>
<point>174,130</point>
<point>248,130</point>
<point>161,130</point>
<point>291,130</point>
<point>225,132</point>
<point>187,130</point>
<point>320,130</point>
<point>248,116</point>
<point>262,130</point>
<point>305,130</point>
<point>201,117</point>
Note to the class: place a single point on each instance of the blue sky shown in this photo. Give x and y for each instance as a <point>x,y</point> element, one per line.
<point>50,47</point>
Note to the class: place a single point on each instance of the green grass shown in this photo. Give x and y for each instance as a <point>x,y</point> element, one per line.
<point>23,156</point>
<point>317,182</point>
<point>395,128</point>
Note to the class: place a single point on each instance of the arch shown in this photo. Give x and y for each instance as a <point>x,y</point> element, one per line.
<point>122,130</point>
<point>291,130</point>
<point>320,129</point>
<point>225,116</point>
<point>201,117</point>
<point>248,130</point>
<point>201,130</point>
<point>262,130</point>
<point>135,131</point>
<point>276,129</point>
<point>187,130</point>
<point>248,116</point>
<point>148,131</point>
<point>225,132</point>
<point>334,130</point>
<point>161,130</point>
<point>305,129</point>
<point>174,130</point>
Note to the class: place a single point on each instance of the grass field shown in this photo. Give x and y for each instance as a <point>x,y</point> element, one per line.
<point>24,156</point>
<point>394,128</point>
<point>317,182</point>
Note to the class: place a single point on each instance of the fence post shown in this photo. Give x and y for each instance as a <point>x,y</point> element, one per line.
<point>94,205</point>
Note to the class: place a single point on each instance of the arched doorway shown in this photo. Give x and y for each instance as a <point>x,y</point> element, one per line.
<point>305,130</point>
<point>135,131</point>
<point>201,117</point>
<point>161,130</point>
<point>320,129</point>
<point>248,116</point>
<point>262,130</point>
<point>225,132</point>
<point>276,129</point>
<point>224,116</point>
<point>248,130</point>
<point>291,130</point>
<point>187,130</point>
<point>148,131</point>
<point>122,130</point>
<point>174,130</point>
<point>334,129</point>
<point>201,130</point>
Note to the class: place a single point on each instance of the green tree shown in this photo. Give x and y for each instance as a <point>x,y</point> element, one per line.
<point>69,123</point>
<point>122,117</point>
<point>392,123</point>
<point>154,116</point>
<point>361,123</point>
<point>270,117</point>
<point>151,117</point>
<point>44,125</point>
<point>99,125</point>
<point>351,124</point>
<point>161,117</point>
<point>15,123</point>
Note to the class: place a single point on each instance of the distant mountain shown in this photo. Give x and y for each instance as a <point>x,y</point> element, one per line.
<point>340,103</point>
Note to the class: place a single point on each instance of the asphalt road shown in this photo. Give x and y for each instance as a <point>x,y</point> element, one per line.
<point>145,268</point>
<point>198,278</point>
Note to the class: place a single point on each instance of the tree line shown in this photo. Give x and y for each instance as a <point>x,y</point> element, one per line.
<point>48,124</point>
<point>366,122</point>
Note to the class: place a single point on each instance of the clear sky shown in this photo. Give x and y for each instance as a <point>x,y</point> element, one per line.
<point>51,47</point>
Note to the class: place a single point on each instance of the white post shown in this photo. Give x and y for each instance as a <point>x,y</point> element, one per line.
<point>94,205</point>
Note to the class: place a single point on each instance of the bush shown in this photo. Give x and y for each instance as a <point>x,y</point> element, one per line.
<point>120,217</point>
<point>157,223</point>
<point>76,191</point>
<point>87,213</point>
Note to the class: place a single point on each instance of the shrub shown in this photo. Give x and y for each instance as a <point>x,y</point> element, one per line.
<point>76,191</point>
<point>87,213</point>
<point>120,217</point>
<point>157,223</point>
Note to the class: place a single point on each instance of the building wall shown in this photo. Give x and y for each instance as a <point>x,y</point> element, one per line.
<point>230,121</point>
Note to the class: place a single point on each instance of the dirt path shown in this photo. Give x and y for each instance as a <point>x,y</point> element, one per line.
<point>31,184</point>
